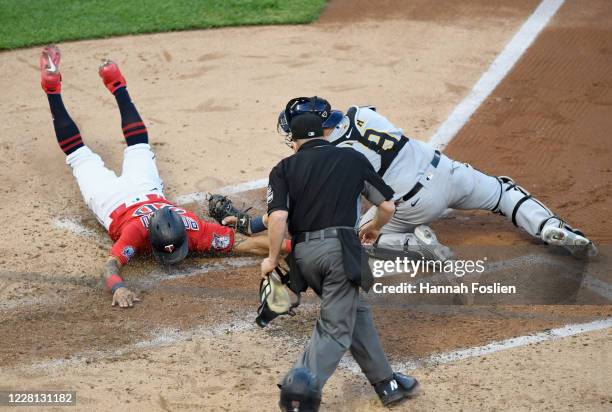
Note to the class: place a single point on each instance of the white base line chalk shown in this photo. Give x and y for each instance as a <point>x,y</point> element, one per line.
<point>72,224</point>
<point>496,346</point>
<point>226,190</point>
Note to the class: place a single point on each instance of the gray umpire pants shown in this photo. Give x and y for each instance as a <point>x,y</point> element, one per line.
<point>345,322</point>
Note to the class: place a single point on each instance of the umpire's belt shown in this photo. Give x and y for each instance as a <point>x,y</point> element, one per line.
<point>434,163</point>
<point>322,234</point>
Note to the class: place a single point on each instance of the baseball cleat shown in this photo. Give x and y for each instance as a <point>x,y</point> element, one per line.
<point>50,76</point>
<point>573,241</point>
<point>422,244</point>
<point>111,75</point>
<point>396,389</point>
<point>428,243</point>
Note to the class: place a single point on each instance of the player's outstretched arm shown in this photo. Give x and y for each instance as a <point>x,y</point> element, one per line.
<point>257,245</point>
<point>256,225</point>
<point>122,296</point>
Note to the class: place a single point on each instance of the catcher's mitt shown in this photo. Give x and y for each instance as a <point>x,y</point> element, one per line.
<point>220,207</point>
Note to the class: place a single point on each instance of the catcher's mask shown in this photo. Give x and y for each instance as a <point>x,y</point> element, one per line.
<point>300,105</point>
<point>274,298</point>
<point>168,236</point>
<point>300,392</point>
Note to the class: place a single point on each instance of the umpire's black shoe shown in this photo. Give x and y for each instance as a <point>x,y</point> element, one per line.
<point>397,388</point>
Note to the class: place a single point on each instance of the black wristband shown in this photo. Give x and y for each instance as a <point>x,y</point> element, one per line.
<point>117,286</point>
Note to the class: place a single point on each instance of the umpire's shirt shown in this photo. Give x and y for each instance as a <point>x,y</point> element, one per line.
<point>319,187</point>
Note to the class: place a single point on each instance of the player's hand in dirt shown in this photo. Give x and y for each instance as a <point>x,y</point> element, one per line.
<point>125,298</point>
<point>368,234</point>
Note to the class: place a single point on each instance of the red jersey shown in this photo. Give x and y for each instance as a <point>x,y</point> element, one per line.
<point>129,229</point>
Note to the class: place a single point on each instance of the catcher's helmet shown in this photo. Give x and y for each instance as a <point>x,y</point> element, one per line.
<point>300,105</point>
<point>168,236</point>
<point>300,392</point>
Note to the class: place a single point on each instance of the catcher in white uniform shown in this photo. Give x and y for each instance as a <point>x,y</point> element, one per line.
<point>427,183</point>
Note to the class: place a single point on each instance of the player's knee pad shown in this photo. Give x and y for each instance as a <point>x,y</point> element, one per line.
<point>518,205</point>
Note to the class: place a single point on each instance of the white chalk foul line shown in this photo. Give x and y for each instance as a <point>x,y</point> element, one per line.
<point>496,72</point>
<point>161,338</point>
<point>500,67</point>
<point>226,190</point>
<point>496,346</point>
<point>74,225</point>
<point>169,337</point>
<point>557,333</point>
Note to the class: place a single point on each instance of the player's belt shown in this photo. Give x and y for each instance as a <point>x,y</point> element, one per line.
<point>418,186</point>
<point>322,234</point>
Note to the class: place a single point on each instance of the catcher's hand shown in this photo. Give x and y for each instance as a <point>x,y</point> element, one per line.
<point>124,297</point>
<point>221,207</point>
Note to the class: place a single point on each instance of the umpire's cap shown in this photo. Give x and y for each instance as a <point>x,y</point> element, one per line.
<point>300,105</point>
<point>168,236</point>
<point>306,126</point>
<point>300,392</point>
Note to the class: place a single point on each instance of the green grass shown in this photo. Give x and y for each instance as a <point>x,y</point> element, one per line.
<point>32,22</point>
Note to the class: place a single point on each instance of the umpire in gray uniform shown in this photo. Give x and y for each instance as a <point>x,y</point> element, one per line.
<point>316,192</point>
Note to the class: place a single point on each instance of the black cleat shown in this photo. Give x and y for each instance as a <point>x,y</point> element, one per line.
<point>396,389</point>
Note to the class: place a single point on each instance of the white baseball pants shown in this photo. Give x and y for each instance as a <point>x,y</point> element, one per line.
<point>457,185</point>
<point>104,191</point>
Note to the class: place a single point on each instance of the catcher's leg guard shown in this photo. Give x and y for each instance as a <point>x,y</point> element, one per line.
<point>522,209</point>
<point>422,244</point>
<point>534,217</point>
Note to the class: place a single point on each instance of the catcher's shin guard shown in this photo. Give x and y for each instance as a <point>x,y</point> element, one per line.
<point>531,215</point>
<point>522,208</point>
<point>422,244</point>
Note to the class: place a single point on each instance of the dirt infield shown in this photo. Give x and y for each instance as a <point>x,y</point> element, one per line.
<point>210,99</point>
<point>557,104</point>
